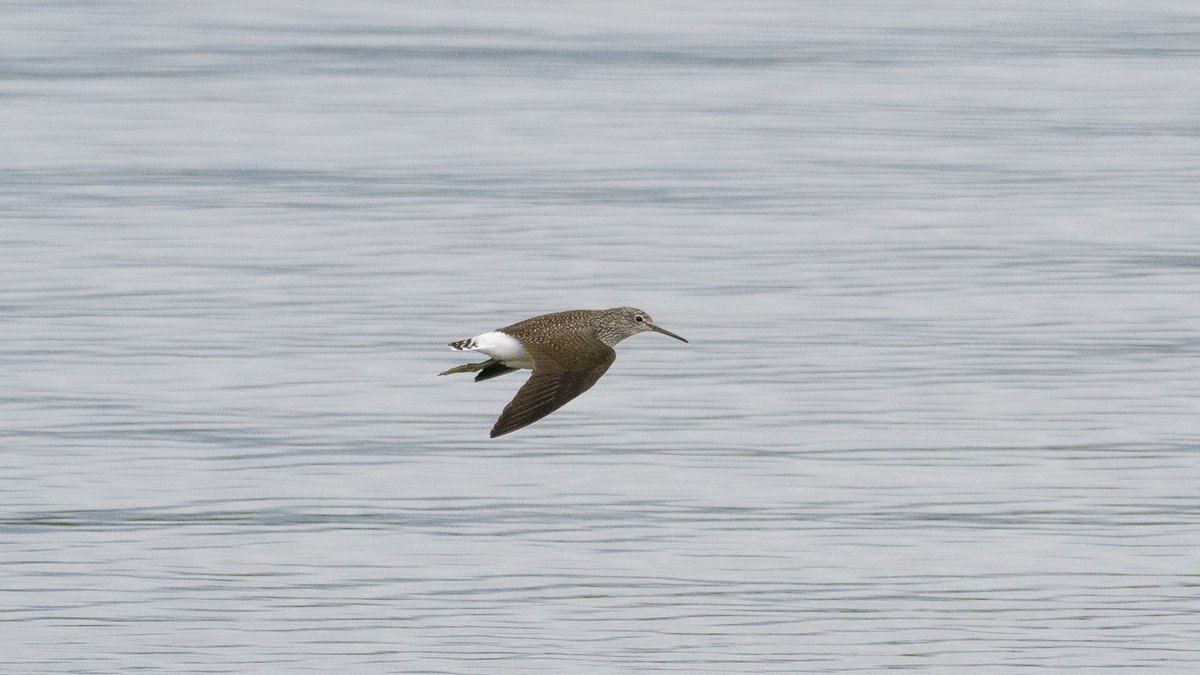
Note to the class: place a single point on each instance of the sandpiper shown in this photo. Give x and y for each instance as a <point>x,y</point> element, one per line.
<point>568,352</point>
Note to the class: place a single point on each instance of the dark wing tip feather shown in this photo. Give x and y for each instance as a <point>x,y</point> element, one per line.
<point>546,392</point>
<point>540,396</point>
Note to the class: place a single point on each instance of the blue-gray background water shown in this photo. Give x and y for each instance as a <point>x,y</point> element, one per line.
<point>939,264</point>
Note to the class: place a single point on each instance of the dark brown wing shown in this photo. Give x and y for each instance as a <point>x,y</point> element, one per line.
<point>561,371</point>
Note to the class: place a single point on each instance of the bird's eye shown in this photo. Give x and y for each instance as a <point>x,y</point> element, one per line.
<point>639,318</point>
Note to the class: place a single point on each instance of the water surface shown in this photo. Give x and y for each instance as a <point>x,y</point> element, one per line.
<point>938,266</point>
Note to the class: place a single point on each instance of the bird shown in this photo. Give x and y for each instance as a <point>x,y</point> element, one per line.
<point>567,351</point>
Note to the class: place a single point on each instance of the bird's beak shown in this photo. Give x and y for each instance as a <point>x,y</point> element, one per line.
<point>664,331</point>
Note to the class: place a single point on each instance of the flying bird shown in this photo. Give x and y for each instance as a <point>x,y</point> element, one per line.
<point>568,352</point>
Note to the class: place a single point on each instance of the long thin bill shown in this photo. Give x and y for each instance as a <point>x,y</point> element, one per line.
<point>664,331</point>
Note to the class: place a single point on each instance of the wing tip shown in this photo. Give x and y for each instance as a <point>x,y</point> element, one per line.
<point>507,425</point>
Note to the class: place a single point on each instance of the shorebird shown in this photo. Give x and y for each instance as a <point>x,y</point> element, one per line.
<point>568,352</point>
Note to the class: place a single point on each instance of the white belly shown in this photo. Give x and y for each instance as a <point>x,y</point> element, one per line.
<point>503,348</point>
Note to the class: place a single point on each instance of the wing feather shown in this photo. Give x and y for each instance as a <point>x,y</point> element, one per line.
<point>562,370</point>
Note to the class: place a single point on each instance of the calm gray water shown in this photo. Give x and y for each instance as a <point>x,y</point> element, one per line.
<point>939,264</point>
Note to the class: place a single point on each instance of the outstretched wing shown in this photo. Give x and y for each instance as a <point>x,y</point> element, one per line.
<point>561,371</point>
